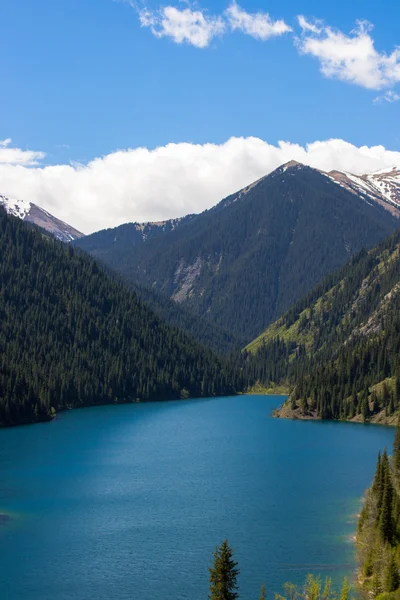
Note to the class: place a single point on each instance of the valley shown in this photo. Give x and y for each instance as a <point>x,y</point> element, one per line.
<point>259,295</point>
<point>242,264</point>
<point>199,300</point>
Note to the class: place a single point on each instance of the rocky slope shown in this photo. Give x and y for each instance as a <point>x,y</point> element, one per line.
<point>382,187</point>
<point>31,213</point>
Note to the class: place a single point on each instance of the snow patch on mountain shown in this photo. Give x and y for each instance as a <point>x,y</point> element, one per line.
<point>17,208</point>
<point>31,213</point>
<point>382,186</point>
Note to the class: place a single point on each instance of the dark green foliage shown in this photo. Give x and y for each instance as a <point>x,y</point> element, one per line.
<point>391,575</point>
<point>220,340</point>
<point>263,592</point>
<point>396,455</point>
<point>246,261</point>
<point>385,506</point>
<point>377,485</point>
<point>126,240</point>
<point>223,574</point>
<point>343,339</point>
<point>71,336</point>
<point>378,538</point>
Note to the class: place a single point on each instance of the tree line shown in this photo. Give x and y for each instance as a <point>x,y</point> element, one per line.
<point>378,535</point>
<point>72,336</point>
<point>339,347</point>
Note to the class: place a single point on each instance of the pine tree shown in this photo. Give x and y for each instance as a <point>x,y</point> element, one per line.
<point>386,525</point>
<point>377,483</point>
<point>365,409</point>
<point>380,483</point>
<point>263,592</point>
<point>223,574</point>
<point>391,580</point>
<point>396,454</point>
<point>345,591</point>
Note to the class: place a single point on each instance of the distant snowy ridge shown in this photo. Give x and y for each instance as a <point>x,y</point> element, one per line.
<point>382,186</point>
<point>31,213</point>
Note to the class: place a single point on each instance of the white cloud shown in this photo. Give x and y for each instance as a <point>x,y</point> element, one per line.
<point>259,25</point>
<point>187,25</point>
<point>174,180</point>
<point>197,28</point>
<point>389,96</point>
<point>16,156</point>
<point>313,26</point>
<point>352,58</point>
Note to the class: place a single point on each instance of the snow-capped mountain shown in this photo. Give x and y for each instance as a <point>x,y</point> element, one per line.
<point>27,211</point>
<point>382,186</point>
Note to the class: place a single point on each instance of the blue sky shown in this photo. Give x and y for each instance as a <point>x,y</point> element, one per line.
<point>82,79</point>
<point>84,73</point>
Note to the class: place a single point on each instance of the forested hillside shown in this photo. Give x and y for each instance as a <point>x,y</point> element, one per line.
<point>339,347</point>
<point>130,237</point>
<point>72,336</point>
<point>246,261</point>
<point>218,339</point>
<point>378,535</point>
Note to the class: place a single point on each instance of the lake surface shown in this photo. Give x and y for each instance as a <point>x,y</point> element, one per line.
<point>128,502</point>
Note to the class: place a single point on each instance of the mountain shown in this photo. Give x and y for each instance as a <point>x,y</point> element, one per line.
<point>218,339</point>
<point>132,235</point>
<point>72,336</point>
<point>339,347</point>
<point>243,263</point>
<point>31,213</point>
<point>382,187</point>
<point>128,237</point>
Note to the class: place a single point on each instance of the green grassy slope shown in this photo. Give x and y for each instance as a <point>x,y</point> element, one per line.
<point>342,341</point>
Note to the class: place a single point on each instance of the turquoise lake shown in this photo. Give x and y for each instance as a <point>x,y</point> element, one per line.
<point>129,502</point>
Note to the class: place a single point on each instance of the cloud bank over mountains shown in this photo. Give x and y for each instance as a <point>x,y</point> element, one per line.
<point>170,181</point>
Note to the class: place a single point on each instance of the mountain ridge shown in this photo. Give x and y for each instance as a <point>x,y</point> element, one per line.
<point>32,213</point>
<point>339,346</point>
<point>243,262</point>
<point>71,336</point>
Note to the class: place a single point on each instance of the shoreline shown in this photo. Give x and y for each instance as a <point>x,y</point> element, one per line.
<point>295,414</point>
<point>53,416</point>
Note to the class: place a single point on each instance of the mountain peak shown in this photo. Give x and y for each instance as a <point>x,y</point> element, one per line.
<point>31,213</point>
<point>293,165</point>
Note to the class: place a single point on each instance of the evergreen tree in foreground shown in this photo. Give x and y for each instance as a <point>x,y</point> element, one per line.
<point>378,538</point>
<point>396,454</point>
<point>223,574</point>
<point>263,592</point>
